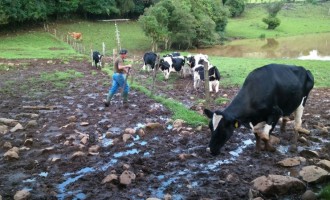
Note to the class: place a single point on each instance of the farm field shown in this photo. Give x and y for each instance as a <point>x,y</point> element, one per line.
<point>58,141</point>
<point>72,147</point>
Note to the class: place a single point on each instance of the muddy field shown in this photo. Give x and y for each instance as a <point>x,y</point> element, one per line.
<point>71,147</point>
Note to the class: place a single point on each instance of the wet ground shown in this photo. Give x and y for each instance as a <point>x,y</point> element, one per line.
<point>70,142</point>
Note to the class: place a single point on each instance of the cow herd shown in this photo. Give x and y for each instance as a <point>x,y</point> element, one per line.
<point>175,62</point>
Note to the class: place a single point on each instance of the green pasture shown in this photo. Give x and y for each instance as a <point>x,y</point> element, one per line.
<point>296,19</point>
<point>34,44</point>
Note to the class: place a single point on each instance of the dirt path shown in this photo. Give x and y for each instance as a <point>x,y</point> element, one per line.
<point>68,151</point>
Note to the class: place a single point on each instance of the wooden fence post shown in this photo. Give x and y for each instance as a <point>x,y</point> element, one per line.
<point>103,49</point>
<point>207,85</point>
<point>154,75</point>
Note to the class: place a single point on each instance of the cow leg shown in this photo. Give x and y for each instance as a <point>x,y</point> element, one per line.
<point>257,130</point>
<point>297,119</point>
<point>283,124</point>
<point>210,86</point>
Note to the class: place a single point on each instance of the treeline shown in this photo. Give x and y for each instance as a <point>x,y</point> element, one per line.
<point>14,12</point>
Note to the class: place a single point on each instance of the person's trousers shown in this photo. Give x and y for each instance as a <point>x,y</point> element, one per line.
<point>118,80</point>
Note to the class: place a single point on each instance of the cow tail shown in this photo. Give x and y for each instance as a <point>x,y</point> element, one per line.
<point>309,84</point>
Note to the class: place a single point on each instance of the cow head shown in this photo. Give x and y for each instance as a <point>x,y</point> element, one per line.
<point>222,128</point>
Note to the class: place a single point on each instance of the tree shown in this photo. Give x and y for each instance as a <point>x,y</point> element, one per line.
<point>272,21</point>
<point>236,7</point>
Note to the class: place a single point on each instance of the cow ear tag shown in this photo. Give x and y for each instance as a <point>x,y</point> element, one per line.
<point>236,124</point>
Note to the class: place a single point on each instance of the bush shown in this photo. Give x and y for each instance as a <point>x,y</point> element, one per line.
<point>236,7</point>
<point>272,22</point>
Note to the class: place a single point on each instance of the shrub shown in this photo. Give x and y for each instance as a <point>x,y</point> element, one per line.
<point>272,22</point>
<point>236,7</point>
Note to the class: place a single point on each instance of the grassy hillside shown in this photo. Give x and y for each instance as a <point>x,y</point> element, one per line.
<point>296,19</point>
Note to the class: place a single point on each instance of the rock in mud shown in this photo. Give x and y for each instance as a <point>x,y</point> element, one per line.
<point>152,198</point>
<point>3,129</point>
<point>277,184</point>
<point>28,142</point>
<point>32,123</point>
<point>290,162</point>
<point>309,195</point>
<point>78,154</point>
<point>178,123</point>
<point>155,125</point>
<point>126,137</point>
<point>325,164</point>
<point>126,177</point>
<point>17,127</point>
<point>309,154</point>
<point>22,195</point>
<point>130,131</point>
<point>7,145</point>
<point>11,155</point>
<point>313,174</point>
<point>8,122</point>
<point>110,178</point>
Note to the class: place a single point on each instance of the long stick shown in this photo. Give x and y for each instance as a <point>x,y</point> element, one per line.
<point>125,83</point>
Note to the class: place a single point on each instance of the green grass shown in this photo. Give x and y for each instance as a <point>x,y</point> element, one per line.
<point>325,193</point>
<point>34,45</point>
<point>99,32</point>
<point>235,70</point>
<point>296,19</point>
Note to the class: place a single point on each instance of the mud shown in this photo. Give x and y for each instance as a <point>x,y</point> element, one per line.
<point>164,160</point>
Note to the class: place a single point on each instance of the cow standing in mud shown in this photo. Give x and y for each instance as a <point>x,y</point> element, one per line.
<point>268,93</point>
<point>97,59</point>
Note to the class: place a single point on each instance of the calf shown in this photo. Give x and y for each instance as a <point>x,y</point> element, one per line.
<point>97,59</point>
<point>268,93</point>
<point>149,60</point>
<point>170,64</point>
<point>214,77</point>
<point>76,35</point>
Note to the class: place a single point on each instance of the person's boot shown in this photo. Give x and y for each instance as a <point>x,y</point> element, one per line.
<point>125,100</point>
<point>107,101</point>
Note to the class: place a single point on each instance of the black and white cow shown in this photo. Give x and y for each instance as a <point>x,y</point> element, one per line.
<point>195,60</point>
<point>173,54</point>
<point>268,93</point>
<point>170,64</point>
<point>149,60</point>
<point>214,77</point>
<point>97,59</point>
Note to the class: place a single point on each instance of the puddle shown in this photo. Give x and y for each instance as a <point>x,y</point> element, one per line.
<point>314,55</point>
<point>288,47</point>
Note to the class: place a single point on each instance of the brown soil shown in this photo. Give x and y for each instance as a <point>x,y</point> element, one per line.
<point>165,160</point>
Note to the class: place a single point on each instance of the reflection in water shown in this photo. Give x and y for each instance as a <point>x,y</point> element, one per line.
<point>314,46</point>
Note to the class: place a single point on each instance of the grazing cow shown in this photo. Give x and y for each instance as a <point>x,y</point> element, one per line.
<point>196,60</point>
<point>173,54</point>
<point>76,35</point>
<point>214,77</point>
<point>97,59</point>
<point>149,60</point>
<point>268,93</point>
<point>170,64</point>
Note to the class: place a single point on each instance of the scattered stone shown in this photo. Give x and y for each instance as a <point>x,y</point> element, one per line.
<point>309,195</point>
<point>84,140</point>
<point>277,184</point>
<point>30,115</point>
<point>141,132</point>
<point>232,178</point>
<point>126,166</point>
<point>7,145</point>
<point>167,197</point>
<point>290,162</point>
<point>17,127</point>
<point>126,137</point>
<point>126,177</point>
<point>3,129</point>
<point>72,124</point>
<point>110,178</point>
<point>302,139</point>
<point>8,122</point>
<point>28,142</point>
<point>108,134</point>
<point>94,149</point>
<point>313,174</point>
<point>199,128</point>
<point>178,123</point>
<point>72,118</point>
<point>258,198</point>
<point>309,154</point>
<point>32,123</point>
<point>184,156</point>
<point>48,150</point>
<point>11,154</point>
<point>78,154</point>
<point>153,125</point>
<point>325,164</point>
<point>130,131</point>
<point>22,195</point>
<point>152,198</point>
<point>84,124</point>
